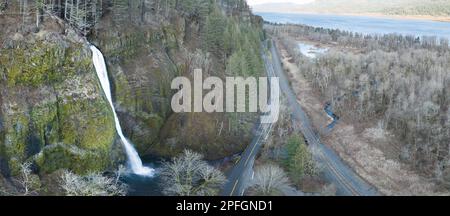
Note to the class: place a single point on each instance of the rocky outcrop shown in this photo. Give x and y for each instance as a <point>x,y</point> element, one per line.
<point>141,70</point>
<point>52,111</point>
<point>54,114</point>
<point>144,53</point>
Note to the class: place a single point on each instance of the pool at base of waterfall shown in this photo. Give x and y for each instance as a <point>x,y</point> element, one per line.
<point>139,185</point>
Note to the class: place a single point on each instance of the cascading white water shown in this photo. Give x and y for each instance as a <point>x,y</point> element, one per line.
<point>133,157</point>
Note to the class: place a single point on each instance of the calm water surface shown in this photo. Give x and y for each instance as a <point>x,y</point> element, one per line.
<point>366,25</point>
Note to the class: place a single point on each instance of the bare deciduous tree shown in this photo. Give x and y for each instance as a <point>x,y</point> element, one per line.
<point>93,184</point>
<point>25,184</point>
<point>269,179</point>
<point>29,183</point>
<point>189,175</point>
<point>400,81</point>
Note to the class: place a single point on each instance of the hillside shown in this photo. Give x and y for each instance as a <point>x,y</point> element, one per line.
<point>394,7</point>
<point>53,113</point>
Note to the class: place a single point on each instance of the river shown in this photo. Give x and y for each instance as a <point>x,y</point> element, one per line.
<point>364,24</point>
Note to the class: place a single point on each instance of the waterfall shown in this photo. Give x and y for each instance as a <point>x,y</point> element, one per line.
<point>133,157</point>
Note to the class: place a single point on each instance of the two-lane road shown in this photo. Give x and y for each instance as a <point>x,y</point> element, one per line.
<point>347,182</point>
<point>242,173</point>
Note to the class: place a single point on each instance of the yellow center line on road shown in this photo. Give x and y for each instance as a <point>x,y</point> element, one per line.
<point>239,159</point>
<point>234,187</point>
<point>340,177</point>
<point>253,149</point>
<point>250,155</point>
<point>267,130</point>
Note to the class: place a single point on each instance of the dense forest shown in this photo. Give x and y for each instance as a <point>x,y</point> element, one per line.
<point>57,133</point>
<point>400,81</point>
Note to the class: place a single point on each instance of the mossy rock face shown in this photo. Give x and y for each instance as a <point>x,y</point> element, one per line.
<point>141,67</point>
<point>61,156</point>
<point>142,62</point>
<point>53,111</point>
<point>85,121</point>
<point>42,63</point>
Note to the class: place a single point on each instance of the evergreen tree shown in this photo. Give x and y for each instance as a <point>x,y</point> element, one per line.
<point>299,159</point>
<point>214,30</point>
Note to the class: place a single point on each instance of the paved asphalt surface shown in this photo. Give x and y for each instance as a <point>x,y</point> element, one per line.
<point>347,182</point>
<point>242,174</point>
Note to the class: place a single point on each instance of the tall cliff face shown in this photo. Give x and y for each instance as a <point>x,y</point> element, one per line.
<point>54,114</point>
<point>52,110</point>
<point>159,40</point>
